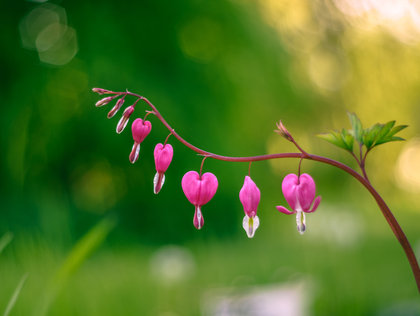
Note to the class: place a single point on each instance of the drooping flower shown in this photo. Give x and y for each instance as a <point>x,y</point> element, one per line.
<point>124,119</point>
<point>140,130</point>
<point>163,157</point>
<point>250,198</point>
<point>299,194</point>
<point>199,191</point>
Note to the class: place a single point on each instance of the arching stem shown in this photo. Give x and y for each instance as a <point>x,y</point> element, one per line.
<point>392,222</point>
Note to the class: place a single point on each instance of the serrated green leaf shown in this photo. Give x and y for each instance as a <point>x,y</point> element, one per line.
<point>357,127</point>
<point>397,129</point>
<point>348,139</point>
<point>334,138</point>
<point>339,139</point>
<point>371,134</point>
<point>389,139</point>
<point>385,130</point>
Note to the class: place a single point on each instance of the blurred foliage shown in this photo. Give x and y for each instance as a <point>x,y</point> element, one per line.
<point>222,73</point>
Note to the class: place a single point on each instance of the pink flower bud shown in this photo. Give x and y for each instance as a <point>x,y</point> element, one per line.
<point>116,108</point>
<point>140,130</point>
<point>199,191</point>
<point>250,198</point>
<point>124,119</point>
<point>103,101</point>
<point>100,91</point>
<point>163,157</point>
<point>299,194</point>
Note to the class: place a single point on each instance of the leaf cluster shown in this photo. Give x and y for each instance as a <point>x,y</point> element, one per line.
<point>373,136</point>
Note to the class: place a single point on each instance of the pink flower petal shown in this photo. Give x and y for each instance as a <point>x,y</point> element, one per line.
<point>191,186</point>
<point>288,187</point>
<point>209,186</point>
<point>305,191</point>
<point>316,204</point>
<point>163,157</point>
<point>285,210</point>
<point>250,197</point>
<point>140,129</point>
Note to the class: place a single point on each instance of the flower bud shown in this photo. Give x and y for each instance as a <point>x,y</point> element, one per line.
<point>283,132</point>
<point>124,119</point>
<point>100,91</point>
<point>116,108</point>
<point>103,101</point>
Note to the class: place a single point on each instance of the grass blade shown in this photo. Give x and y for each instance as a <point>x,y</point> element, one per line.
<point>15,295</point>
<point>5,240</point>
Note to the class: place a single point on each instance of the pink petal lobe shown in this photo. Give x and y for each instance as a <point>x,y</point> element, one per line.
<point>305,191</point>
<point>250,197</point>
<point>140,129</point>
<point>285,210</point>
<point>288,187</point>
<point>191,186</point>
<point>209,186</point>
<point>316,204</point>
<point>163,157</point>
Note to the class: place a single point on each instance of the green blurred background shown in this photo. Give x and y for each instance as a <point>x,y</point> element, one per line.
<point>86,226</point>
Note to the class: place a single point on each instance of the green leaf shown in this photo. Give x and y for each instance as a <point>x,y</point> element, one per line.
<point>385,130</point>
<point>389,139</point>
<point>387,133</point>
<point>397,129</point>
<point>348,139</point>
<point>357,127</point>
<point>334,138</point>
<point>371,134</point>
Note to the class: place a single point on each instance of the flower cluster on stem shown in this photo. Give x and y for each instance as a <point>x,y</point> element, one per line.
<point>299,191</point>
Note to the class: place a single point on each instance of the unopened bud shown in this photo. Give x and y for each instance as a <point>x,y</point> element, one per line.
<point>103,101</point>
<point>100,91</point>
<point>124,119</point>
<point>283,132</point>
<point>116,108</point>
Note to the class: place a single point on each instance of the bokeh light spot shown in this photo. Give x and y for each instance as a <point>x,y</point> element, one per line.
<point>407,170</point>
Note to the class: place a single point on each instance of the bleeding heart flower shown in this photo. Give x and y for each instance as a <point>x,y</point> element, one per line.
<point>199,191</point>
<point>163,157</point>
<point>250,197</point>
<point>299,194</point>
<point>140,130</point>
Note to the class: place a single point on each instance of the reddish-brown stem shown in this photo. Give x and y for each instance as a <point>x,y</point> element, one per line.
<point>134,105</point>
<point>249,169</point>
<point>201,168</point>
<point>392,222</point>
<point>166,140</point>
<point>300,162</point>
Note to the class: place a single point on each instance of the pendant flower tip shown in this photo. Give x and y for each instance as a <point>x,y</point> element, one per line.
<point>250,198</point>
<point>199,191</point>
<point>163,157</point>
<point>140,130</point>
<point>299,194</point>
